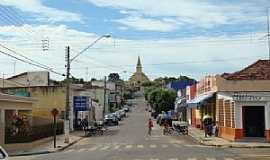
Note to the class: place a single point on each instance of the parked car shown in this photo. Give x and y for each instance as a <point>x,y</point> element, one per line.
<point>110,119</point>
<point>3,154</point>
<point>126,109</point>
<point>117,114</point>
<point>123,113</point>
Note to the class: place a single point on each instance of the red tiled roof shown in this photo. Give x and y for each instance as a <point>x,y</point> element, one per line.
<point>259,70</point>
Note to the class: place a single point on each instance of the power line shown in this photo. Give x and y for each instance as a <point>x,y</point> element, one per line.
<point>33,64</point>
<point>24,56</point>
<point>14,19</point>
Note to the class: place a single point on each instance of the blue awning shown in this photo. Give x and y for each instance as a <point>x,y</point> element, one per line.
<point>198,100</point>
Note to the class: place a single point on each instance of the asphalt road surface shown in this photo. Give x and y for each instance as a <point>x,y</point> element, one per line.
<point>129,141</point>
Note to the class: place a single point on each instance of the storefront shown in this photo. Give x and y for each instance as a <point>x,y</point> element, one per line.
<point>15,117</point>
<point>200,106</point>
<point>244,114</point>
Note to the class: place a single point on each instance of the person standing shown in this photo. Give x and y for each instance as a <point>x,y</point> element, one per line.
<point>150,126</point>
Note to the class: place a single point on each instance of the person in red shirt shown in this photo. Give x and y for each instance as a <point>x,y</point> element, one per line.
<point>150,125</point>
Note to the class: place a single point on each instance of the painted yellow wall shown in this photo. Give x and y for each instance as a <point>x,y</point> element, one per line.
<point>48,98</point>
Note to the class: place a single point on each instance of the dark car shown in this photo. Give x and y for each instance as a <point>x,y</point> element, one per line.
<point>110,119</point>
<point>126,109</point>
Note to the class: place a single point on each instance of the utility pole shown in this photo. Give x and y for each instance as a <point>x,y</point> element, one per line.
<point>87,73</point>
<point>268,32</point>
<point>14,69</point>
<point>105,87</point>
<point>66,125</point>
<point>3,80</point>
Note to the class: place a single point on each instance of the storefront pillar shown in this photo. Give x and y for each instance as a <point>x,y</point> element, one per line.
<point>239,131</point>
<point>267,121</point>
<point>2,127</point>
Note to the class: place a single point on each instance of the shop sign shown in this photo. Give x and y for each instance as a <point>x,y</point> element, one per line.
<point>81,103</point>
<point>247,97</point>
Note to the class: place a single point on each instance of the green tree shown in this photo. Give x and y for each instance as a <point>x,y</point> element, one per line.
<point>114,77</point>
<point>160,99</point>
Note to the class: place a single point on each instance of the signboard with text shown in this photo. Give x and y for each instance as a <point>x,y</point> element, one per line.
<point>81,103</point>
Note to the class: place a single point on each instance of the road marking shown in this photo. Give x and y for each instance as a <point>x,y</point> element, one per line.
<point>254,155</point>
<point>116,147</point>
<point>154,159</point>
<point>192,159</point>
<point>164,146</point>
<point>177,145</point>
<point>173,159</point>
<point>128,146</point>
<point>228,159</point>
<point>93,148</point>
<point>104,148</point>
<point>153,146</point>
<point>82,149</point>
<point>69,151</point>
<point>140,146</point>
<point>210,158</point>
<point>196,145</point>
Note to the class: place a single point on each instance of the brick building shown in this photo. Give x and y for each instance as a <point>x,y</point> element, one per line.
<point>243,102</point>
<point>239,102</point>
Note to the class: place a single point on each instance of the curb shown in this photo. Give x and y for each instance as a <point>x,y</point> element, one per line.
<point>201,142</point>
<point>29,154</point>
<point>70,144</point>
<point>47,151</point>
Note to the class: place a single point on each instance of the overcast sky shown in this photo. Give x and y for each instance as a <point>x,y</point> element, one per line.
<point>173,37</point>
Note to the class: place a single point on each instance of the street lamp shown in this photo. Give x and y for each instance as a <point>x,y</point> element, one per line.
<point>90,45</point>
<point>69,60</point>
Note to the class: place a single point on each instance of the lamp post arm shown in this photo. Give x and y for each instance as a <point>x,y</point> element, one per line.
<point>89,46</point>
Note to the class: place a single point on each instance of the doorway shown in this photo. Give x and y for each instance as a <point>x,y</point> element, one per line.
<point>253,121</point>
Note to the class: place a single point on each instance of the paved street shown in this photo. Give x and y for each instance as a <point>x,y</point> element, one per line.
<point>129,141</point>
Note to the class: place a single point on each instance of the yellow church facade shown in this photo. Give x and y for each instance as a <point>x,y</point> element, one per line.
<point>138,78</point>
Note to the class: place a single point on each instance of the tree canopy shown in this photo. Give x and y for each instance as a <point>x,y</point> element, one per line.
<point>114,77</point>
<point>160,99</point>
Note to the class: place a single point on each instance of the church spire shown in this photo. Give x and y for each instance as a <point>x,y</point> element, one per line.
<point>139,65</point>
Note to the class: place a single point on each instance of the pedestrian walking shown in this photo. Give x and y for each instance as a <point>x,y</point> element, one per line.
<point>150,126</point>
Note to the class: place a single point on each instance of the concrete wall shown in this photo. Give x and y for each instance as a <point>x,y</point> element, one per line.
<point>98,93</point>
<point>40,78</point>
<point>48,97</point>
<point>109,85</point>
<point>242,85</point>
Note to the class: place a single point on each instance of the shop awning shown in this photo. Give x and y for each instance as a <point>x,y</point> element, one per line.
<point>200,99</point>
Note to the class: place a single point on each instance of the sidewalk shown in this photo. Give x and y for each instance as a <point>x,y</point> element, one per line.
<point>43,146</point>
<point>198,135</point>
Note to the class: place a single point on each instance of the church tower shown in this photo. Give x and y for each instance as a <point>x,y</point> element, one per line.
<point>139,66</point>
<point>138,78</point>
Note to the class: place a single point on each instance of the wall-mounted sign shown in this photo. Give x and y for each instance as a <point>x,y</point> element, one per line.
<point>248,97</point>
<point>81,103</point>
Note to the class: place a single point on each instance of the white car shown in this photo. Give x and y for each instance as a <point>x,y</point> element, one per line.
<point>3,154</point>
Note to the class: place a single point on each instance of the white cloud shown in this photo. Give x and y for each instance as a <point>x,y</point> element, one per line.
<point>194,56</point>
<point>191,12</point>
<point>144,24</point>
<point>45,13</point>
